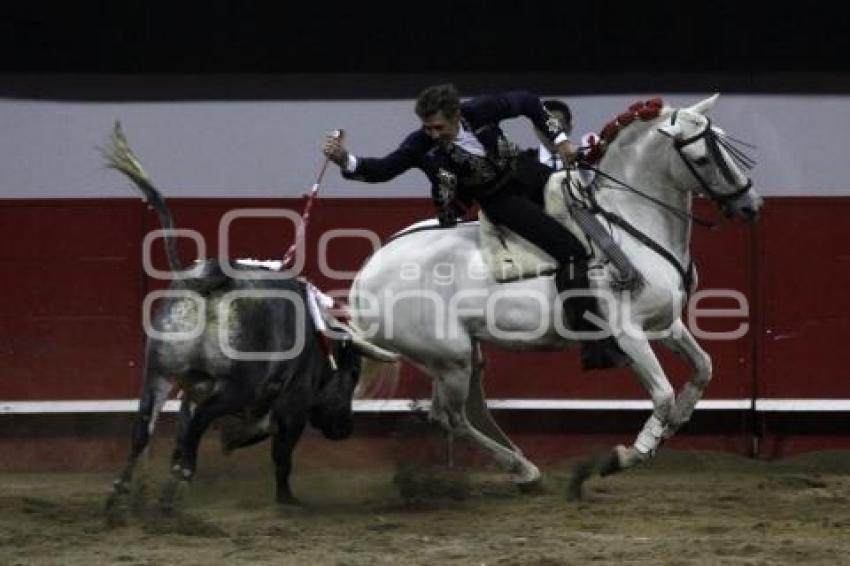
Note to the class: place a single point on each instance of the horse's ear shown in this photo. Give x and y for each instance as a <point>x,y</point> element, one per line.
<point>704,106</point>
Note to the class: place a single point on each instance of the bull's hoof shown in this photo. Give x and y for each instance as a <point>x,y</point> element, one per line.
<point>239,433</point>
<point>182,472</point>
<point>121,486</point>
<point>611,464</point>
<point>171,498</point>
<point>232,435</point>
<point>289,501</point>
<point>582,471</point>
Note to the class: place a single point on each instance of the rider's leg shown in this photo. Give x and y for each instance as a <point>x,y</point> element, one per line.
<point>532,223</point>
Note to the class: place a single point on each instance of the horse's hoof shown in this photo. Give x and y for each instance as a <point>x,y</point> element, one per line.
<point>121,486</point>
<point>116,511</point>
<point>527,473</point>
<point>535,487</point>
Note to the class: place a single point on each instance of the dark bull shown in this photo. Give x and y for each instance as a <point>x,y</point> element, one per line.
<point>238,344</point>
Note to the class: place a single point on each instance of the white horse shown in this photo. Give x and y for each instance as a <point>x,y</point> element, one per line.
<point>428,295</point>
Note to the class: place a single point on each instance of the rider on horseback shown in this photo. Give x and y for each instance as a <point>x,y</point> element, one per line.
<point>467,157</point>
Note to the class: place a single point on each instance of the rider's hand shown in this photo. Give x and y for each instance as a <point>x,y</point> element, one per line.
<point>334,150</point>
<point>567,152</point>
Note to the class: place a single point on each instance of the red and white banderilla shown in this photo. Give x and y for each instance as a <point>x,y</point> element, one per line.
<point>305,216</point>
<point>312,290</point>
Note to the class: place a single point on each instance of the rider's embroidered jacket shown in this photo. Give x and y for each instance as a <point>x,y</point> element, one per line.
<point>455,173</point>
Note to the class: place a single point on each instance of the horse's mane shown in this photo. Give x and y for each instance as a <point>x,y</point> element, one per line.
<point>640,111</point>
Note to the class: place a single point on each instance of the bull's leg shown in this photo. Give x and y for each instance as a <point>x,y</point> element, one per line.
<point>183,418</point>
<point>226,401</point>
<point>450,396</point>
<point>650,374</point>
<point>290,425</point>
<point>154,395</point>
<point>683,343</point>
<point>237,434</point>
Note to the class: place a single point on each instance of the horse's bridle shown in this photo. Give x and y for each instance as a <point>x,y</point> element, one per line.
<point>710,137</point>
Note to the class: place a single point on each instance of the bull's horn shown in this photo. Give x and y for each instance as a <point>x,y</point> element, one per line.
<point>367,348</point>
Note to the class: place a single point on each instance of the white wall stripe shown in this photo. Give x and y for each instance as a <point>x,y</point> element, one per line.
<point>407,405</point>
<point>813,405</point>
<point>381,405</point>
<point>271,148</point>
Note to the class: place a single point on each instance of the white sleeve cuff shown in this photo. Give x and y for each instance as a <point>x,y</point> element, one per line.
<point>561,138</point>
<point>351,164</point>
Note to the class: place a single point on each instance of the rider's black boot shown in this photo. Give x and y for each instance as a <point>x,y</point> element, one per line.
<point>595,354</point>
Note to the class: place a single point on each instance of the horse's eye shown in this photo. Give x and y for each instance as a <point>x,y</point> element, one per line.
<point>700,161</point>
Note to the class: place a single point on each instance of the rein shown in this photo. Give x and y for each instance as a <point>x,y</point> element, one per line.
<point>687,274</point>
<point>679,213</point>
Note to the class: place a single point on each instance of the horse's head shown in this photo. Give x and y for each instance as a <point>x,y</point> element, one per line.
<point>709,162</point>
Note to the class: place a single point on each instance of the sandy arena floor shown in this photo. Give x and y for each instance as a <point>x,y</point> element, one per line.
<point>683,508</point>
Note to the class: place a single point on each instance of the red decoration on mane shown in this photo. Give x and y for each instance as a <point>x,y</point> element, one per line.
<point>642,110</point>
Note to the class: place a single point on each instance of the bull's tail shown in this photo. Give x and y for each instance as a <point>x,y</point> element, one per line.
<point>119,156</point>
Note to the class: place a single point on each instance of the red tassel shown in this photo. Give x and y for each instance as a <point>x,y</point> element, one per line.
<point>644,110</point>
<point>625,118</point>
<point>648,112</point>
<point>609,131</point>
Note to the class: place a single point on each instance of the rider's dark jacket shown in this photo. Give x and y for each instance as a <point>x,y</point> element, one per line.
<point>457,176</point>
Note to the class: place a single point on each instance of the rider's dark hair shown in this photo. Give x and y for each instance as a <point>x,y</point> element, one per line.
<point>439,98</point>
<point>554,105</point>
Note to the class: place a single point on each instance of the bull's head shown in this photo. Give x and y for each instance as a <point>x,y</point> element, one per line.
<point>332,411</point>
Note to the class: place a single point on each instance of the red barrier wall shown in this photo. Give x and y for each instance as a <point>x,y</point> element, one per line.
<point>803,273</point>
<point>71,299</point>
<point>73,285</point>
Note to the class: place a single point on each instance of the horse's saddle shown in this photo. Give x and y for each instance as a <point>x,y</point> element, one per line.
<point>510,256</point>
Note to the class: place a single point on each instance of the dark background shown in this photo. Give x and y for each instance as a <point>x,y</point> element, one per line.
<point>600,46</point>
